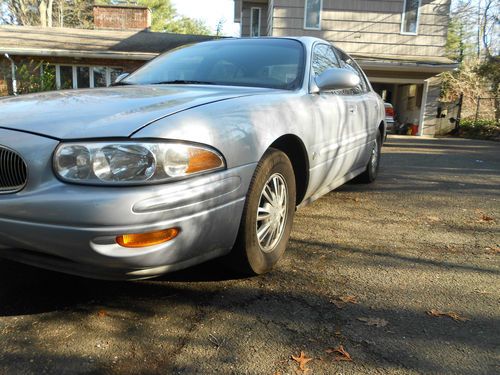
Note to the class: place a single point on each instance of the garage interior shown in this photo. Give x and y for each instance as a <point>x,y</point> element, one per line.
<point>406,98</point>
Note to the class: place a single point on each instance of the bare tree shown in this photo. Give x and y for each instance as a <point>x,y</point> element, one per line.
<point>47,13</point>
<point>489,24</point>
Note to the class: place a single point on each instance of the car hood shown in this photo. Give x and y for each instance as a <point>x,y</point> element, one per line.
<point>108,112</point>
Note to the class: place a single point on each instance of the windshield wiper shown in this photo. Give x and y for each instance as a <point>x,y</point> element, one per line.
<point>183,82</point>
<point>121,83</point>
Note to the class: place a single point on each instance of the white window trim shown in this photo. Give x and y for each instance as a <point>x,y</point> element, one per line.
<point>91,74</point>
<point>402,32</point>
<point>251,21</point>
<point>320,16</point>
<point>91,77</point>
<point>75,77</point>
<point>58,77</point>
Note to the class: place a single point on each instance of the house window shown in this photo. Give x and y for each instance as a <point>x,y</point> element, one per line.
<point>79,77</point>
<point>255,22</point>
<point>114,73</point>
<point>99,75</point>
<point>65,77</point>
<point>82,77</point>
<point>409,18</point>
<point>312,14</point>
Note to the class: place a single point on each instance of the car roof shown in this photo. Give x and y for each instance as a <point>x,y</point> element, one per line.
<point>306,40</point>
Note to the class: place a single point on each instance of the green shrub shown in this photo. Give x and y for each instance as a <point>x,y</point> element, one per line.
<point>480,129</point>
<point>35,77</point>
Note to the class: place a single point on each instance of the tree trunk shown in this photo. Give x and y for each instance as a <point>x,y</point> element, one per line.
<point>49,13</point>
<point>42,8</point>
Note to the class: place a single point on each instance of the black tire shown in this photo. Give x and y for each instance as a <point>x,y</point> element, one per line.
<point>250,255</point>
<point>371,171</point>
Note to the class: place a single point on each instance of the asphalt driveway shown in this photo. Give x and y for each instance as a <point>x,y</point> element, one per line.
<point>369,268</point>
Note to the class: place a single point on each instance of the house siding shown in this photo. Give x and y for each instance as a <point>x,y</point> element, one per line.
<point>367,27</point>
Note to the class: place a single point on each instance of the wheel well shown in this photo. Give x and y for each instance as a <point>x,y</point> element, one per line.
<point>293,147</point>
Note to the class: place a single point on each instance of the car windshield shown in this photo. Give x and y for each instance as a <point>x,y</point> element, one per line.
<point>270,63</point>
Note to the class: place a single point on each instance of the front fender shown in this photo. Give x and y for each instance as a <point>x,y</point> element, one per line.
<point>242,129</point>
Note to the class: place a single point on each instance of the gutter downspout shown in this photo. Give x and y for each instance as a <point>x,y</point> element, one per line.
<point>13,70</point>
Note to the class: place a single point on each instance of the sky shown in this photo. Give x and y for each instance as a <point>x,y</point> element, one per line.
<point>210,11</point>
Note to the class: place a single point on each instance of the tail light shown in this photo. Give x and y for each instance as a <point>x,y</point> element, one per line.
<point>389,112</point>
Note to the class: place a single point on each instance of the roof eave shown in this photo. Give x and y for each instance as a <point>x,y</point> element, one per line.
<point>407,66</point>
<point>114,55</point>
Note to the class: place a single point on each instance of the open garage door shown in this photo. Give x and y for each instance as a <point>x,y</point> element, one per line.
<point>408,101</point>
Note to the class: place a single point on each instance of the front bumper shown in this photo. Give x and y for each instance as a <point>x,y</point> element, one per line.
<point>72,228</point>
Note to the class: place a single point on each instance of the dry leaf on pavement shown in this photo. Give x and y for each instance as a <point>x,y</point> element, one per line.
<point>433,218</point>
<point>102,313</point>
<point>378,322</point>
<point>485,218</point>
<point>349,299</point>
<point>341,302</point>
<point>344,355</point>
<point>302,361</point>
<point>450,314</point>
<point>493,250</point>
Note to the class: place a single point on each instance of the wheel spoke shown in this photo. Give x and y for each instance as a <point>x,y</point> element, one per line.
<point>271,234</point>
<point>266,194</point>
<point>263,213</point>
<point>276,191</point>
<point>282,195</point>
<point>261,233</point>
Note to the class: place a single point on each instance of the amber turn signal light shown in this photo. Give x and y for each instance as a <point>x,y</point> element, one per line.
<point>202,160</point>
<point>147,239</point>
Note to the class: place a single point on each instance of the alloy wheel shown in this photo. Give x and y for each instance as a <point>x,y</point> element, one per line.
<point>272,212</point>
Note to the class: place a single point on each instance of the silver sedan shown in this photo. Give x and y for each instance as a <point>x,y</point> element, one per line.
<point>206,151</point>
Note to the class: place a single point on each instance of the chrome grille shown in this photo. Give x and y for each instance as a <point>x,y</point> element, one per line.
<point>13,173</point>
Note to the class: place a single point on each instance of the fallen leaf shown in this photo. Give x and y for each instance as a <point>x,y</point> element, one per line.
<point>302,361</point>
<point>344,355</point>
<point>348,299</point>
<point>493,250</point>
<point>341,302</point>
<point>486,218</point>
<point>450,314</point>
<point>433,218</point>
<point>102,313</point>
<point>374,322</point>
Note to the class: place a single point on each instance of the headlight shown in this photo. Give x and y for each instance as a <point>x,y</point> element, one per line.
<point>121,163</point>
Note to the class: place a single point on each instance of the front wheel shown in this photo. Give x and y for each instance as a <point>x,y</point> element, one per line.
<point>267,216</point>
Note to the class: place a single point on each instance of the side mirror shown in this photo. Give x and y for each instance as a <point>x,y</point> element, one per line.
<point>336,79</point>
<point>121,77</point>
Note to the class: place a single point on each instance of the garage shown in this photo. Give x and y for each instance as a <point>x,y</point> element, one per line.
<point>406,100</point>
<point>413,88</point>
